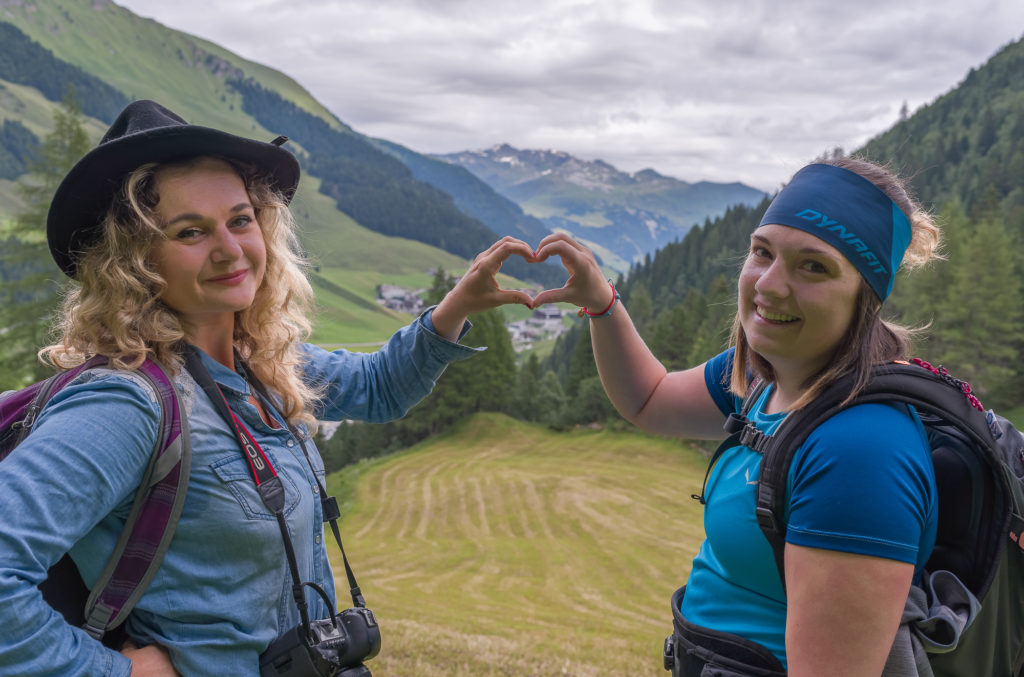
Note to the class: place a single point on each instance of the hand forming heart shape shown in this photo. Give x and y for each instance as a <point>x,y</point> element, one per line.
<point>478,290</point>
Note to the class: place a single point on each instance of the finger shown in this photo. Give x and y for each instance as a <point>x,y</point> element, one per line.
<point>551,296</point>
<point>504,242</point>
<point>509,296</point>
<point>567,250</point>
<point>554,237</point>
<point>490,261</point>
<point>511,246</point>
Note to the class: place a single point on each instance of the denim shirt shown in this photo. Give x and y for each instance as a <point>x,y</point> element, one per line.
<point>223,590</point>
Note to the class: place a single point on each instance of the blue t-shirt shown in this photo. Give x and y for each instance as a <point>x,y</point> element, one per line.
<point>862,483</point>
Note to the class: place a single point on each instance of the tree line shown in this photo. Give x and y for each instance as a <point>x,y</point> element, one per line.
<point>18,145</point>
<point>26,62</point>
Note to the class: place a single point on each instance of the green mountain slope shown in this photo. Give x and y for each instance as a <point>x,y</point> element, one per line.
<point>139,58</point>
<point>968,144</point>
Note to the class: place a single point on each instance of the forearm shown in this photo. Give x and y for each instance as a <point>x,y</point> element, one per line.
<point>37,641</point>
<point>449,317</point>
<point>629,372</point>
<point>383,385</point>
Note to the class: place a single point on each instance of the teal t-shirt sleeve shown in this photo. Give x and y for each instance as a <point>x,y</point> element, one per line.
<point>717,372</point>
<point>863,483</point>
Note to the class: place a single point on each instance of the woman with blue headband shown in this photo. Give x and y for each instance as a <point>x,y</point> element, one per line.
<point>862,509</point>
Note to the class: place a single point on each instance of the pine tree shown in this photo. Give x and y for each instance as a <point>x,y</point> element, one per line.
<point>29,294</point>
<point>982,326</point>
<point>711,336</point>
<point>550,399</point>
<point>641,308</point>
<point>590,404</point>
<point>439,286</point>
<point>673,334</point>
<point>581,362</point>
<point>524,401</point>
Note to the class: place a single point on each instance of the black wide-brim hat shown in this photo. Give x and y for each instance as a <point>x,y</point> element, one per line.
<point>146,132</point>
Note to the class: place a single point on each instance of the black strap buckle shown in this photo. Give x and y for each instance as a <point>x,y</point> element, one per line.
<point>752,437</point>
<point>766,519</point>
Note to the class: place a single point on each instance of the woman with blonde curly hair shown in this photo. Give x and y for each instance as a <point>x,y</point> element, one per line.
<point>861,495</point>
<point>184,251</point>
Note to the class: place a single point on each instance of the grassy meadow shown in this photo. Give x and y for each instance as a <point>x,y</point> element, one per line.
<point>504,548</point>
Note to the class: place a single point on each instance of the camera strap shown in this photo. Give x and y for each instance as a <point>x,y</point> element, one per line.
<point>269,485</point>
<point>328,504</point>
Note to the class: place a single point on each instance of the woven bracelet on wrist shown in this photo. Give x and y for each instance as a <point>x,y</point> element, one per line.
<point>607,311</point>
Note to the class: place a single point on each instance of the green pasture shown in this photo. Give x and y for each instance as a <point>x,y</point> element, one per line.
<point>503,548</point>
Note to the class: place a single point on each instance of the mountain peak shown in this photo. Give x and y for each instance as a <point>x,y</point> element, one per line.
<point>522,166</point>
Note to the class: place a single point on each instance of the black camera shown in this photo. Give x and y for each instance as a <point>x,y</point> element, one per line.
<point>333,647</point>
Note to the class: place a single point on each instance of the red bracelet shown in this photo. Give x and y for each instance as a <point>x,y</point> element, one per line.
<point>607,310</point>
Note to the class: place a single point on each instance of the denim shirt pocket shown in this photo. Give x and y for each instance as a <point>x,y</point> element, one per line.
<point>236,475</point>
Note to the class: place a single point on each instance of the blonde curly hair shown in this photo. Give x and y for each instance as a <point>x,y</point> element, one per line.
<point>115,307</point>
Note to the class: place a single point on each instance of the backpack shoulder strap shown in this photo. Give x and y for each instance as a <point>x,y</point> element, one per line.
<point>739,430</point>
<point>19,409</point>
<point>154,515</point>
<point>926,390</point>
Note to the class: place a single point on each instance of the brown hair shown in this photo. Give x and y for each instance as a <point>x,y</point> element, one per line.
<point>870,339</point>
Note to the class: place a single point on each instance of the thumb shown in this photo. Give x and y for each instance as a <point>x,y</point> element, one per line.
<point>508,296</point>
<point>549,296</point>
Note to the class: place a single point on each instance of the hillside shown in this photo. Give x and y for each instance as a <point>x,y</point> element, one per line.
<point>114,56</point>
<point>968,145</point>
<point>504,548</point>
<point>623,216</point>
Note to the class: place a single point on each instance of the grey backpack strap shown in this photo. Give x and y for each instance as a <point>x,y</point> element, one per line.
<point>154,515</point>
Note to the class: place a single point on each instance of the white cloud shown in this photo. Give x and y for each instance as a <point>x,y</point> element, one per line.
<point>722,90</point>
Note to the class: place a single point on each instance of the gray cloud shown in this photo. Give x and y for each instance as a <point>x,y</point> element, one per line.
<point>722,90</point>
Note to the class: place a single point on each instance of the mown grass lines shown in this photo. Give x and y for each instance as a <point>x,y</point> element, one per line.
<point>508,549</point>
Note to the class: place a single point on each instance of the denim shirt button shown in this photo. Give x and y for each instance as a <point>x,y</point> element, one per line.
<point>317,539</point>
<point>291,442</point>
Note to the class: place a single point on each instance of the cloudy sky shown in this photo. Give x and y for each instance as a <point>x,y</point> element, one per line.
<point>723,90</point>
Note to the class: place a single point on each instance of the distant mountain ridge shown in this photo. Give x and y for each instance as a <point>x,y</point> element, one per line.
<point>475,197</point>
<point>624,215</point>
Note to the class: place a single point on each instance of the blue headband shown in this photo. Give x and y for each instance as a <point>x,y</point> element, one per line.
<point>850,213</point>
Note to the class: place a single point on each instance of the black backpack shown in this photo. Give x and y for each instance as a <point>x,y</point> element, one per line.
<point>978,458</point>
<point>150,525</point>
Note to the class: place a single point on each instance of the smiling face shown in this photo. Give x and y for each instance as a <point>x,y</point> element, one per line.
<point>214,256</point>
<point>797,298</point>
